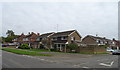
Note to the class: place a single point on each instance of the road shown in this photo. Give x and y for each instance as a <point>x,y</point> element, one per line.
<point>11,60</point>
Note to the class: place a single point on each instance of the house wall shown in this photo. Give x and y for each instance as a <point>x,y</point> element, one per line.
<point>77,37</point>
<point>88,40</point>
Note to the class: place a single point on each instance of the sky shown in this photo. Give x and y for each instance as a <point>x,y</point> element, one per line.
<point>88,18</point>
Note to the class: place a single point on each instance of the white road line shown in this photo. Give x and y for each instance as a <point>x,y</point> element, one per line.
<point>109,65</point>
<point>85,67</point>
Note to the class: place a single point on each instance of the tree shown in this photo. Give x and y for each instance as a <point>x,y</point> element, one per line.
<point>10,36</point>
<point>10,33</point>
<point>47,43</point>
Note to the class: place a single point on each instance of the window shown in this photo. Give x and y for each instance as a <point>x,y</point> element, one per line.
<point>72,38</point>
<point>25,39</point>
<point>54,38</point>
<point>64,38</point>
<point>15,39</point>
<point>38,39</point>
<point>98,41</point>
<point>44,38</point>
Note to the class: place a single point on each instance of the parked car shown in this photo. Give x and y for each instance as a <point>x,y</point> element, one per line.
<point>109,50</point>
<point>116,52</point>
<point>5,45</point>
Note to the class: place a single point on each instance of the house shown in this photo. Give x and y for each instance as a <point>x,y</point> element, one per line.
<point>45,40</point>
<point>30,39</point>
<point>116,44</point>
<point>61,39</point>
<point>19,39</point>
<point>95,40</point>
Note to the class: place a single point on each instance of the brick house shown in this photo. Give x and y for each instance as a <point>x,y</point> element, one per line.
<point>19,39</point>
<point>30,39</point>
<point>61,39</point>
<point>95,40</point>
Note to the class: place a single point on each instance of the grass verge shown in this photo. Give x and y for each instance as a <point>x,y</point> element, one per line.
<point>24,52</point>
<point>41,50</point>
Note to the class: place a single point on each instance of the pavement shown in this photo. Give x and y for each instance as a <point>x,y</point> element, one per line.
<point>59,60</point>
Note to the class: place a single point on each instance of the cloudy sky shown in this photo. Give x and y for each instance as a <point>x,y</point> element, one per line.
<point>88,18</point>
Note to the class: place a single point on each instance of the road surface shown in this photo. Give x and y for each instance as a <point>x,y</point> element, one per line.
<point>11,60</point>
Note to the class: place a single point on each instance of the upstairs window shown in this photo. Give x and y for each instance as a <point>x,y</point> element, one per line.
<point>64,38</point>
<point>72,38</point>
<point>25,39</point>
<point>54,38</point>
<point>38,39</point>
<point>44,38</point>
<point>98,41</point>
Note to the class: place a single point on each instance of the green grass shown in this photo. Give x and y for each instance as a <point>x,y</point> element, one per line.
<point>24,52</point>
<point>42,50</point>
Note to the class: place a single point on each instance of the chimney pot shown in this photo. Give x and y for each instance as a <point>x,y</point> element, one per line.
<point>38,33</point>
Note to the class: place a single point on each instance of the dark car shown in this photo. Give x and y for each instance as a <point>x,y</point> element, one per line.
<point>116,52</point>
<point>5,45</point>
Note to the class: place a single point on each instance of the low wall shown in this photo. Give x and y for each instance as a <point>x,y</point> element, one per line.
<point>91,49</point>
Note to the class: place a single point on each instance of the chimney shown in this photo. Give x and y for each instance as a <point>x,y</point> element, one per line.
<point>96,35</point>
<point>113,39</point>
<point>22,34</point>
<point>28,33</point>
<point>32,32</point>
<point>38,33</point>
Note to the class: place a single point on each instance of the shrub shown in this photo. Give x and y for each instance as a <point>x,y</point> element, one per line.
<point>24,46</point>
<point>72,47</point>
<point>105,46</point>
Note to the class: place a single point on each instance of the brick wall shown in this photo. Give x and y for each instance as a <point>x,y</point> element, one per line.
<point>91,49</point>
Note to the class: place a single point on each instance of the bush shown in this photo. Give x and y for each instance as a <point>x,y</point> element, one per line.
<point>105,46</point>
<point>72,47</point>
<point>24,46</point>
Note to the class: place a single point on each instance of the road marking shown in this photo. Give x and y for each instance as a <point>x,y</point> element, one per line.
<point>109,65</point>
<point>85,67</point>
<point>42,59</point>
<point>98,60</point>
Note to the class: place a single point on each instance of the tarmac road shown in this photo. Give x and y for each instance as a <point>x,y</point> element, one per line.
<point>11,60</point>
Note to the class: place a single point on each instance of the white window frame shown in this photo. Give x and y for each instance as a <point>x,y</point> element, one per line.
<point>62,38</point>
<point>54,38</point>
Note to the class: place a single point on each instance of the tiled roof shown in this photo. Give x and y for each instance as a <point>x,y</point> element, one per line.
<point>101,38</point>
<point>65,33</point>
<point>46,34</point>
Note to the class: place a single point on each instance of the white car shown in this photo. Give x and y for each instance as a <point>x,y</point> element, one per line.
<point>110,50</point>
